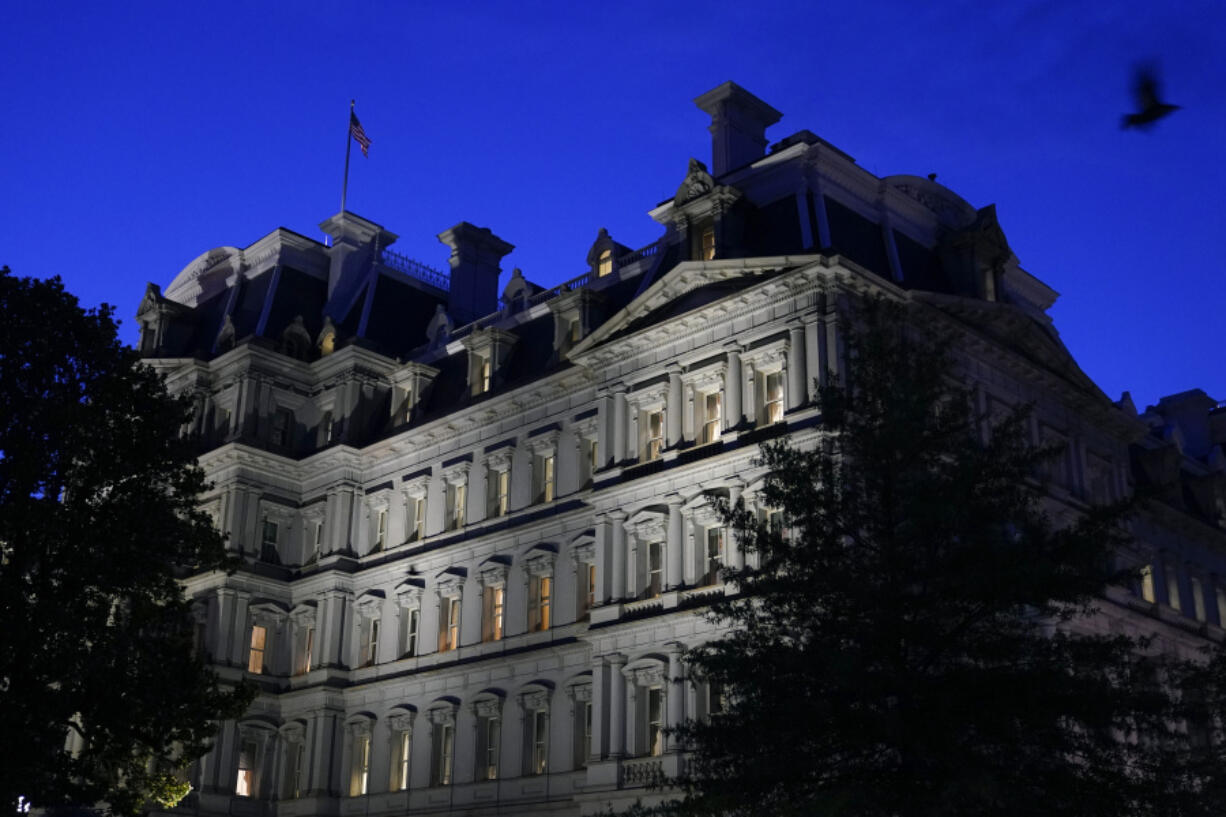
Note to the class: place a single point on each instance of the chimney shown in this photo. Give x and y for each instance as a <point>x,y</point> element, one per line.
<point>738,126</point>
<point>475,255</point>
<point>355,240</point>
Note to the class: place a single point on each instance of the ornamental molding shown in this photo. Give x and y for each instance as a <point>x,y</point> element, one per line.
<point>402,720</point>
<point>535,701</point>
<point>449,585</point>
<point>583,552</point>
<point>707,379</point>
<point>543,443</point>
<point>490,707</point>
<point>767,358</point>
<point>645,676</point>
<point>418,487</point>
<point>442,715</point>
<point>540,564</point>
<point>649,398</point>
<point>457,474</point>
<point>369,604</point>
<point>580,692</point>
<point>305,614</point>
<point>408,595</point>
<point>501,459</point>
<point>293,732</point>
<point>648,526</point>
<point>493,574</point>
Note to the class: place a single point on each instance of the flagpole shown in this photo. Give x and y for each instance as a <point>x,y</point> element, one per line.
<point>348,146</point>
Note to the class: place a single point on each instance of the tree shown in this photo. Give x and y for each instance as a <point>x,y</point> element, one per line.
<point>98,518</point>
<point>916,638</point>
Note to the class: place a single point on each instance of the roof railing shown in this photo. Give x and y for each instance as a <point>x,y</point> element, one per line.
<point>415,269</point>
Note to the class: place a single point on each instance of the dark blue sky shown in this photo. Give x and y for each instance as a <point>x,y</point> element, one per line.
<point>138,135</point>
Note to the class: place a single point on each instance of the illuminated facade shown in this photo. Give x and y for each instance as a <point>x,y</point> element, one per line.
<point>476,526</point>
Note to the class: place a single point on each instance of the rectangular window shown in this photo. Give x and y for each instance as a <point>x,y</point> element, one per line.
<point>540,742</point>
<point>306,648</point>
<point>498,489</point>
<point>282,423</point>
<point>583,733</point>
<point>268,541</point>
<point>259,641</point>
<point>489,735</point>
<point>409,621</point>
<point>380,530</point>
<point>492,613</point>
<point>360,780</point>
<point>417,513</point>
<point>655,721</point>
<point>400,765</point>
<point>1172,587</point>
<point>245,785</point>
<point>328,428</point>
<point>449,624</point>
<point>654,570</point>
<point>708,243</point>
<point>545,478</point>
<point>297,782</point>
<point>481,379</point>
<point>457,496</point>
<point>604,263</point>
<point>370,646</point>
<point>715,554</point>
<point>593,456</point>
<point>444,743</point>
<point>772,398</point>
<point>1198,598</point>
<point>540,601</point>
<point>653,427</point>
<point>587,590</point>
<point>711,406</point>
<point>1147,584</point>
<point>317,543</point>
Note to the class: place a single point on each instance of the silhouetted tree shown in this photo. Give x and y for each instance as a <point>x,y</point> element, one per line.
<point>917,638</point>
<point>98,516</point>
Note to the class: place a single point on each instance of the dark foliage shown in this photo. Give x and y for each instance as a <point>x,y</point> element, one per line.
<point>920,638</point>
<point>98,516</point>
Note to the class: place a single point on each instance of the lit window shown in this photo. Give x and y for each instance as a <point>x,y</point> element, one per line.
<point>545,478</point>
<point>444,743</point>
<point>481,380</point>
<point>245,785</point>
<point>259,640</point>
<point>370,644</point>
<point>654,434</point>
<point>587,590</point>
<point>540,742</point>
<point>1198,598</point>
<point>715,554</point>
<point>305,650</point>
<point>400,764</point>
<point>449,624</point>
<point>772,398</point>
<point>457,496</point>
<point>540,590</point>
<point>655,721</point>
<point>409,619</point>
<point>317,542</point>
<point>492,613</point>
<point>268,541</point>
<point>489,735</point>
<point>575,332</point>
<point>708,243</point>
<point>417,512</point>
<point>711,407</point>
<point>604,263</point>
<point>380,530</point>
<point>1147,585</point>
<point>499,491</point>
<point>654,569</point>
<point>360,779</point>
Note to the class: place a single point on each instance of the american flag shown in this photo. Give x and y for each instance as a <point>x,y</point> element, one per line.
<point>355,130</point>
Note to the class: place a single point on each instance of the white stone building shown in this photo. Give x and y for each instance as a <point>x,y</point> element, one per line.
<point>476,527</point>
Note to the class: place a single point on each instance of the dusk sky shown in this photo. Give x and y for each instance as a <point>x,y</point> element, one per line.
<point>138,135</point>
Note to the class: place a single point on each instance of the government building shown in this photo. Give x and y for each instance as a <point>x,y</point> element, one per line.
<point>477,528</point>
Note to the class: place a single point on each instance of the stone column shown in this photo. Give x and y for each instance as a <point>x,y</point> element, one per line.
<point>735,553</point>
<point>796,368</point>
<point>812,360</point>
<point>734,411</point>
<point>689,538</point>
<point>601,559</point>
<point>630,740</point>
<point>674,411</point>
<point>675,547</point>
<point>620,427</point>
<point>748,397</point>
<point>673,715</point>
<point>600,708</point>
<point>617,706</point>
<point>619,554</point>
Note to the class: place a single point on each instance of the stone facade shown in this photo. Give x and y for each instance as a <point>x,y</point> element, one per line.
<point>475,544</point>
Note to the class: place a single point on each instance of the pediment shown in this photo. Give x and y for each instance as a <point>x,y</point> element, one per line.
<point>681,280</point>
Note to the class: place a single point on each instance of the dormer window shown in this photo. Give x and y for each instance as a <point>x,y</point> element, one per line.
<point>282,423</point>
<point>488,350</point>
<point>484,378</point>
<point>604,263</point>
<point>772,398</point>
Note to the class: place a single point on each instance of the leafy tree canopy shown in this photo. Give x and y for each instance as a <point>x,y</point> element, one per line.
<point>98,516</point>
<point>921,639</point>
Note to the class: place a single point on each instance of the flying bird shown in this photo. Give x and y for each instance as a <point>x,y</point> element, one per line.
<point>1150,106</point>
